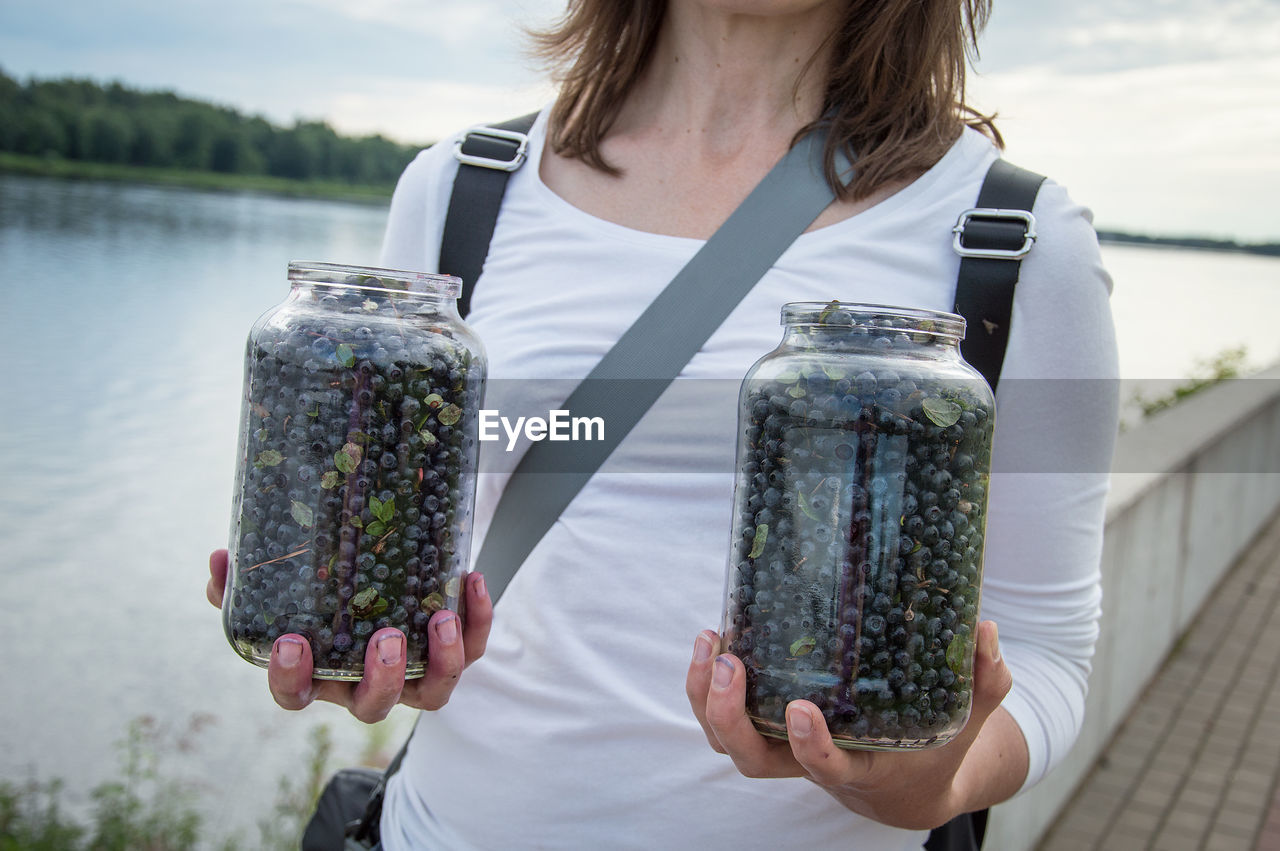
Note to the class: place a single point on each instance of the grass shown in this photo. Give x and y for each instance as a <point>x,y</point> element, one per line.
<point>138,809</point>
<point>1225,365</point>
<point>207,180</point>
<point>144,808</point>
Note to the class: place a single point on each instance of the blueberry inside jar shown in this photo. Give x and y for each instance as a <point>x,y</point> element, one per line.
<point>863,462</point>
<point>356,475</point>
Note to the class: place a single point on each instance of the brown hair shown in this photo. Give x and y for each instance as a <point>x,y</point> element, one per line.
<point>894,85</point>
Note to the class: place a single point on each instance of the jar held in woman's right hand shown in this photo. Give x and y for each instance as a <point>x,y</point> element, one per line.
<point>855,570</point>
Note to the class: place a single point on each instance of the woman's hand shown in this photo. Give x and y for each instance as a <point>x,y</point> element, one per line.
<point>917,790</point>
<point>452,647</point>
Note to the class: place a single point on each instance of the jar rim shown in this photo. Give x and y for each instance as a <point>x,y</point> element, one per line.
<point>850,314</point>
<point>374,278</point>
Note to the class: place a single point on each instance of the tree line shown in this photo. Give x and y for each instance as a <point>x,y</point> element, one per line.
<point>81,120</point>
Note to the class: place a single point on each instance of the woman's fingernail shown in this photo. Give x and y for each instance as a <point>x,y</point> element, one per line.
<point>702,648</point>
<point>288,652</point>
<point>390,648</point>
<point>995,645</point>
<point>447,630</point>
<point>722,674</point>
<point>799,722</point>
<point>479,588</point>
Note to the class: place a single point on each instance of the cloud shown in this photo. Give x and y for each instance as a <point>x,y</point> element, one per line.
<point>1186,148</point>
<point>428,110</point>
<point>1089,36</point>
<point>1162,114</point>
<point>471,23</point>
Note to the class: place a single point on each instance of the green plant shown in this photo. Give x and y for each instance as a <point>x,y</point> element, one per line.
<point>146,809</point>
<point>142,809</point>
<point>32,819</point>
<point>296,800</point>
<point>1227,364</point>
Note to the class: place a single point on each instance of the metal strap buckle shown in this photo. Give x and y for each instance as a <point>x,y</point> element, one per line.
<point>517,160</point>
<point>988,213</point>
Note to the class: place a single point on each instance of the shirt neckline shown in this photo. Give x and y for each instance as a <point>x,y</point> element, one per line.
<point>966,147</point>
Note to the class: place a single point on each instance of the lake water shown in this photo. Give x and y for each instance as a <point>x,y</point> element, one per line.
<point>125,310</point>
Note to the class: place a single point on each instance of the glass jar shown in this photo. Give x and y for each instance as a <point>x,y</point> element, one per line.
<point>864,450</point>
<point>356,478</point>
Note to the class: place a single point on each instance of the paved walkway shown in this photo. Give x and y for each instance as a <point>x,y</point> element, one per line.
<point>1196,764</point>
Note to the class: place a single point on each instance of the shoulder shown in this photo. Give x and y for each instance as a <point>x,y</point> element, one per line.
<point>1064,226</point>
<point>1062,325</point>
<point>415,224</point>
<point>415,221</point>
<point>432,167</point>
<point>1066,241</point>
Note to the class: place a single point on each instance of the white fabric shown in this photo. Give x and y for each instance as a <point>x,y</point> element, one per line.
<point>574,731</point>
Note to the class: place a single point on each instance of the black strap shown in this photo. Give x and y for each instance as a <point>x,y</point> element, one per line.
<point>477,198</point>
<point>963,833</point>
<point>992,239</point>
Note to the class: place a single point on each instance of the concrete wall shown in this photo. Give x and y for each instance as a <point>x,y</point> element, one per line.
<point>1190,488</point>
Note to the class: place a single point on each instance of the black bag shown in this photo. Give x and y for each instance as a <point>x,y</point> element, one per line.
<point>340,814</point>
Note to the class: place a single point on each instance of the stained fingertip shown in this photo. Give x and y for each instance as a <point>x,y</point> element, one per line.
<point>288,652</point>
<point>289,672</point>
<point>722,672</point>
<point>476,583</point>
<point>446,629</point>
<point>799,722</point>
<point>703,648</point>
<point>446,655</point>
<point>391,649</point>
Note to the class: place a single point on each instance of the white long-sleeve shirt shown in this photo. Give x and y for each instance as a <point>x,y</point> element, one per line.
<point>573,731</point>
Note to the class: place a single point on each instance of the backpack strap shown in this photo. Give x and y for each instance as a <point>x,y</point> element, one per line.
<point>991,239</point>
<point>487,156</point>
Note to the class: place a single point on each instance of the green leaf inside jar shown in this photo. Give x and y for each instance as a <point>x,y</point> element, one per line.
<point>383,511</point>
<point>942,412</point>
<point>367,604</point>
<point>302,514</point>
<point>803,646</point>
<point>269,458</point>
<point>347,459</point>
<point>449,414</point>
<point>957,654</point>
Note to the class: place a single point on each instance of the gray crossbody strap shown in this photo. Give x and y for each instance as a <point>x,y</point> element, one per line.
<point>653,351</point>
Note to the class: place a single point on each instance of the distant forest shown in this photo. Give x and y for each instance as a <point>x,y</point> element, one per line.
<point>82,120</point>
<point>1267,249</point>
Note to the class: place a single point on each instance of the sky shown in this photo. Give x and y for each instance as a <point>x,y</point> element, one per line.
<point>1163,116</point>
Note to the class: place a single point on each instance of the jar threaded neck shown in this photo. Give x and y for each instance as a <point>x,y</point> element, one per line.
<point>374,278</point>
<point>862,318</point>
